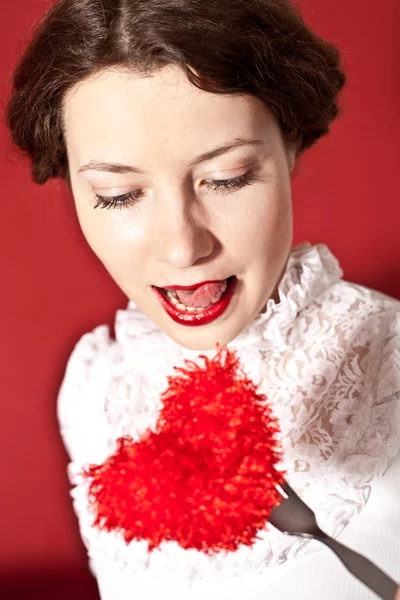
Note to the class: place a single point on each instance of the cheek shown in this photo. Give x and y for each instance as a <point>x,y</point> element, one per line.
<point>95,229</point>
<point>116,240</point>
<point>261,220</point>
<point>102,228</point>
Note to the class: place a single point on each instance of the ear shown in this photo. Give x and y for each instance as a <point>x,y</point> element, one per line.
<point>291,157</point>
<point>292,161</point>
<point>291,154</point>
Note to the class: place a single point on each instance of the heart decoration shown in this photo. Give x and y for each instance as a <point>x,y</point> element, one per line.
<point>205,478</point>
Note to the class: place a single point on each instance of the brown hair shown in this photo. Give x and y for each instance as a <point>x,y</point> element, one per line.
<point>258,47</point>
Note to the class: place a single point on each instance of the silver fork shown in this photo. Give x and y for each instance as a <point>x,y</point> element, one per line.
<point>294,517</point>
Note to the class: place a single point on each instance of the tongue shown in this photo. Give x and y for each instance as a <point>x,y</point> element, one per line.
<point>206,294</point>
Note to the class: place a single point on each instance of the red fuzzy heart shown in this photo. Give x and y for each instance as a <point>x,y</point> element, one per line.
<point>206,478</point>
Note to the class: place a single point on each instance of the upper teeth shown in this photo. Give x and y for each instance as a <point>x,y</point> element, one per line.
<point>175,300</point>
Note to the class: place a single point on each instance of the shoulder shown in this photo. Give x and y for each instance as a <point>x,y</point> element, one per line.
<point>81,397</point>
<point>357,330</point>
<point>364,313</point>
<point>360,305</point>
<point>348,313</point>
<point>348,293</point>
<point>367,323</point>
<point>106,380</point>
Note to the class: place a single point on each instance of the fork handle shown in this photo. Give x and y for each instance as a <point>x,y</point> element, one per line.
<point>362,568</point>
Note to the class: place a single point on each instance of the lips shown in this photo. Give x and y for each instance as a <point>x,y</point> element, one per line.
<point>189,288</point>
<point>197,318</point>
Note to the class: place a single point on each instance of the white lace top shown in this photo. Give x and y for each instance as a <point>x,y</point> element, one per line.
<point>327,356</point>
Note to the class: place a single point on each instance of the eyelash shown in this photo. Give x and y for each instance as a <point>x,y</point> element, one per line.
<point>221,185</point>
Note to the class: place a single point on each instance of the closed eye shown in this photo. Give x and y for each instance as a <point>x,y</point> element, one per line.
<point>217,185</point>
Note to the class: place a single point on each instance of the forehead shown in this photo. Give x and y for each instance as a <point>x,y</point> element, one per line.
<point>115,108</point>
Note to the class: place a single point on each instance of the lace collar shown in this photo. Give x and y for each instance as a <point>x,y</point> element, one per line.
<point>310,270</point>
<point>332,447</point>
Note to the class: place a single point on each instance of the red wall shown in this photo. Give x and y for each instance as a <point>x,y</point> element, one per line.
<point>54,289</point>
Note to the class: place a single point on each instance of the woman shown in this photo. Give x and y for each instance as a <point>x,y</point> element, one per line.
<point>177,125</point>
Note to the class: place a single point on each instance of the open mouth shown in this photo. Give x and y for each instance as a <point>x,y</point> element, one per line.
<point>195,315</point>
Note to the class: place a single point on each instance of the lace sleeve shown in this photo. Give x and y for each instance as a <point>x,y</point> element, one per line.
<point>80,404</point>
<point>82,418</point>
<point>384,427</point>
<point>381,439</point>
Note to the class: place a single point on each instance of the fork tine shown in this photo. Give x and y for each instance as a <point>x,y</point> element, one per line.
<point>294,517</point>
<point>286,488</point>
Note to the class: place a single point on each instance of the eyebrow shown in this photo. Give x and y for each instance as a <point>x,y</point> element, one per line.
<point>96,165</point>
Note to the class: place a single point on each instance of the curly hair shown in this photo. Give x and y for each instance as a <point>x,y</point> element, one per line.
<point>257,47</point>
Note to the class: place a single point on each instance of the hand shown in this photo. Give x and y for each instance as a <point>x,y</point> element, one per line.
<point>398,594</point>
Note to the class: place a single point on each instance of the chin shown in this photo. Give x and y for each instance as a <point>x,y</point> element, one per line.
<point>202,341</point>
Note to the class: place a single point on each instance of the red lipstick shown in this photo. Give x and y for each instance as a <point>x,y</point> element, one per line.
<point>193,319</point>
<point>189,287</point>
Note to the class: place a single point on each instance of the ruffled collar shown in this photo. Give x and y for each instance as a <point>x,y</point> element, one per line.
<point>310,270</point>
<point>336,436</point>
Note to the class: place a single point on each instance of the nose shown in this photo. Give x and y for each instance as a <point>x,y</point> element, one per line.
<point>180,235</point>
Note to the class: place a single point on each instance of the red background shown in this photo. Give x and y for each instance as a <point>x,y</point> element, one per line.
<point>54,289</point>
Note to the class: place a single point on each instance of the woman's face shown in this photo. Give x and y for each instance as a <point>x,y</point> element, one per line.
<point>164,147</point>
